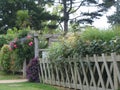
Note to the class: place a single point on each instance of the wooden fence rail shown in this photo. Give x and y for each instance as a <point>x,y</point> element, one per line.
<point>89,73</point>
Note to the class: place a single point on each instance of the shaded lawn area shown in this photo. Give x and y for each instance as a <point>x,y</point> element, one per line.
<point>4,76</point>
<point>26,86</point>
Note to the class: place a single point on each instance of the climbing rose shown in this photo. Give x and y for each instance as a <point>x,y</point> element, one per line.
<point>30,43</point>
<point>28,37</point>
<point>15,46</point>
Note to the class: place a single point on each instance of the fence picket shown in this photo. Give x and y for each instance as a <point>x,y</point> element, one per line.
<point>108,72</point>
<point>116,71</point>
<point>73,77</point>
<point>91,72</point>
<point>41,69</point>
<point>85,76</point>
<point>62,79</point>
<point>99,72</point>
<point>45,72</point>
<point>57,76</point>
<point>49,76</point>
<point>67,77</point>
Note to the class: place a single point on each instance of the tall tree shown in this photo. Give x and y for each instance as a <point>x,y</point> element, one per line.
<point>73,6</point>
<point>9,13</point>
<point>115,18</point>
<point>43,2</point>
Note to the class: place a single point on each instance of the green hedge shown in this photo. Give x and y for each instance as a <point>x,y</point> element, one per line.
<point>89,42</point>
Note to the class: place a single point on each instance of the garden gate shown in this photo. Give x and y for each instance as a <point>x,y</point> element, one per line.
<point>88,73</point>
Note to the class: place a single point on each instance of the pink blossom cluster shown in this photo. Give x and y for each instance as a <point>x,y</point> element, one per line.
<point>30,43</point>
<point>29,37</point>
<point>13,45</point>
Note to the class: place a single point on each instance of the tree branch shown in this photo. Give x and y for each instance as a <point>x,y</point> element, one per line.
<point>70,6</point>
<point>59,22</point>
<point>78,7</point>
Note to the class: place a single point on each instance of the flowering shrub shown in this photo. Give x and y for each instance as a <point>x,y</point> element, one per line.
<point>32,70</point>
<point>24,48</point>
<point>68,47</point>
<point>5,58</point>
<point>2,40</point>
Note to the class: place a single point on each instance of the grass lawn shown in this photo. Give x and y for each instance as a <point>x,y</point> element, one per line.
<point>22,86</point>
<point>4,76</point>
<point>26,86</point>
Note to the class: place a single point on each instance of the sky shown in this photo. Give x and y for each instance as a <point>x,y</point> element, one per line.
<point>98,23</point>
<point>102,22</point>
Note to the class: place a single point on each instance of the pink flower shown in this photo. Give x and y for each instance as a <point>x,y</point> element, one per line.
<point>30,43</point>
<point>15,46</point>
<point>10,49</point>
<point>11,43</point>
<point>28,37</point>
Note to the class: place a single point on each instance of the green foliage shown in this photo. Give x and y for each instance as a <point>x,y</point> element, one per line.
<point>114,18</point>
<point>91,34</point>
<point>22,45</point>
<point>22,19</point>
<point>43,43</point>
<point>11,34</point>
<point>24,49</point>
<point>2,40</point>
<point>10,76</point>
<point>56,51</point>
<point>23,33</point>
<point>96,34</point>
<point>23,13</point>
<point>91,41</point>
<point>65,48</point>
<point>5,58</point>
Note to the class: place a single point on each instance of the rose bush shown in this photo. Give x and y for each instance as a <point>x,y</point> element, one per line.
<point>24,49</point>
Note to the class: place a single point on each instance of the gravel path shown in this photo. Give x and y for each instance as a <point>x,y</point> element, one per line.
<point>13,81</point>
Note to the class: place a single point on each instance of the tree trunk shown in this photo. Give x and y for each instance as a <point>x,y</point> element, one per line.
<point>66,17</point>
<point>39,2</point>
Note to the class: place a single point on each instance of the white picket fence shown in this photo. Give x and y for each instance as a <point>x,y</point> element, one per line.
<point>89,73</point>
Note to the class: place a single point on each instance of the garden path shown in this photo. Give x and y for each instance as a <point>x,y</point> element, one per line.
<point>13,81</point>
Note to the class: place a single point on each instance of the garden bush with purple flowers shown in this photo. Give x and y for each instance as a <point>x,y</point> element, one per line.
<point>32,70</point>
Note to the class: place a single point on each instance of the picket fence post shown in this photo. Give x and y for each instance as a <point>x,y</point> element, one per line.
<point>24,69</point>
<point>36,50</point>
